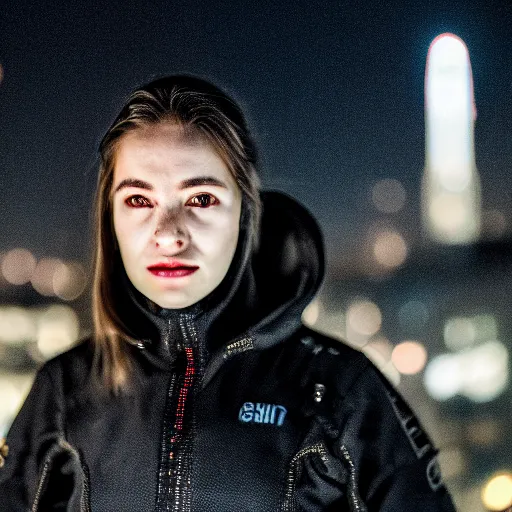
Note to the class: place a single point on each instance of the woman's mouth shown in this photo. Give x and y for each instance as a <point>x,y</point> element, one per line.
<point>172,269</point>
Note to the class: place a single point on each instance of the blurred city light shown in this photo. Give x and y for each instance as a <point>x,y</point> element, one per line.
<point>44,273</point>
<point>479,373</point>
<point>497,492</point>
<point>459,333</point>
<point>69,281</point>
<point>379,350</point>
<point>390,249</point>
<point>17,325</point>
<point>485,371</point>
<point>409,357</point>
<point>58,329</point>
<point>452,461</point>
<point>388,196</point>
<point>18,266</point>
<point>463,332</point>
<point>311,313</point>
<point>332,323</point>
<point>363,320</point>
<point>443,377</point>
<point>451,186</point>
<point>13,390</point>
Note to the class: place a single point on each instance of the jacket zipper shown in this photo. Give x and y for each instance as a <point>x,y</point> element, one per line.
<point>294,473</point>
<point>42,483</point>
<point>355,501</point>
<point>173,486</point>
<point>163,478</point>
<point>85,499</point>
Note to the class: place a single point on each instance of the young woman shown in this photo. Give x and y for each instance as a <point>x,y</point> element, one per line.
<point>201,390</point>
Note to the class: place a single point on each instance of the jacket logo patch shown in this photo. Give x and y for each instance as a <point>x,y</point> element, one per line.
<point>262,413</point>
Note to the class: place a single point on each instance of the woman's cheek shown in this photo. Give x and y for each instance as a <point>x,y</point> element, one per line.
<point>129,232</point>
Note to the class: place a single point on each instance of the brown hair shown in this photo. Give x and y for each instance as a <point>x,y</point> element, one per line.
<point>203,110</point>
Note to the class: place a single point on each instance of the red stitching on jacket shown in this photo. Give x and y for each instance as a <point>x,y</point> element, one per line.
<point>182,398</point>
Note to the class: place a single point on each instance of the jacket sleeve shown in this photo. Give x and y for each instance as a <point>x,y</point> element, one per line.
<point>34,429</point>
<point>392,461</point>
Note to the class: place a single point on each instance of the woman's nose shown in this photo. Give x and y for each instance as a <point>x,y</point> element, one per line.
<point>171,234</point>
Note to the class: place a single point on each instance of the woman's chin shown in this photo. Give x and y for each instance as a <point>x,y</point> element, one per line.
<point>174,299</point>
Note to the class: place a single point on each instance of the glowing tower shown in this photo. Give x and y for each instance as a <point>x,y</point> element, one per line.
<point>451,186</point>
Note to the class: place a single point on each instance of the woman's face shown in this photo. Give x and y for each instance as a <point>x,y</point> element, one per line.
<point>176,210</point>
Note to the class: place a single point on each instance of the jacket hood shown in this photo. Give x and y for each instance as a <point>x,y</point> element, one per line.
<point>260,301</point>
<point>288,268</point>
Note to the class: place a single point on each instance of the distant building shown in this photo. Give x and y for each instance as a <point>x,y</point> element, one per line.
<point>451,186</point>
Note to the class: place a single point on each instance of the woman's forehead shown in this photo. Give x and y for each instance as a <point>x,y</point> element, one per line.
<point>161,154</point>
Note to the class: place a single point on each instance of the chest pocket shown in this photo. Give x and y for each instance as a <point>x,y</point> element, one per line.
<point>63,482</point>
<point>319,474</point>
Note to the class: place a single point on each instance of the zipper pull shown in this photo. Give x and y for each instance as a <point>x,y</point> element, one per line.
<point>319,393</point>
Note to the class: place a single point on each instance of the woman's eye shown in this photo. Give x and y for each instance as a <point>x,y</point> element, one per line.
<point>202,201</point>
<point>137,202</point>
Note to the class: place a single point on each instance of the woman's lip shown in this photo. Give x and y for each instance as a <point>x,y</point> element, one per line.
<point>171,264</point>
<point>172,271</point>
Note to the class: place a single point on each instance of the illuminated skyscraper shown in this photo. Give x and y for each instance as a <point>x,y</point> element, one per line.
<point>451,186</point>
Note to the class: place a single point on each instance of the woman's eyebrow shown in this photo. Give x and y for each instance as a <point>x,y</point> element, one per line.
<point>132,182</point>
<point>201,180</point>
<point>188,183</point>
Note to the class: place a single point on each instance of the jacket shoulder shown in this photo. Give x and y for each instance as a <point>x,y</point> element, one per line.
<point>72,367</point>
<point>374,413</point>
<point>318,342</point>
<point>331,361</point>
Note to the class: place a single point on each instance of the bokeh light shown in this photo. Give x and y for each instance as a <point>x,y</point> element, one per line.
<point>18,266</point>
<point>17,325</point>
<point>364,317</point>
<point>485,371</point>
<point>479,373</point>
<point>443,376</point>
<point>44,273</point>
<point>448,213</point>
<point>58,329</point>
<point>311,313</point>
<point>409,357</point>
<point>332,323</point>
<point>69,281</point>
<point>497,492</point>
<point>459,333</point>
<point>463,332</point>
<point>447,49</point>
<point>451,186</point>
<point>379,350</point>
<point>388,196</point>
<point>453,462</point>
<point>13,390</point>
<point>390,249</point>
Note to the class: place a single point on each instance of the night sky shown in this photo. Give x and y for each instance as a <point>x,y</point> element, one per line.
<point>333,92</point>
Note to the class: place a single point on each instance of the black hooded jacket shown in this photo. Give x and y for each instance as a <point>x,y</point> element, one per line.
<point>233,405</point>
